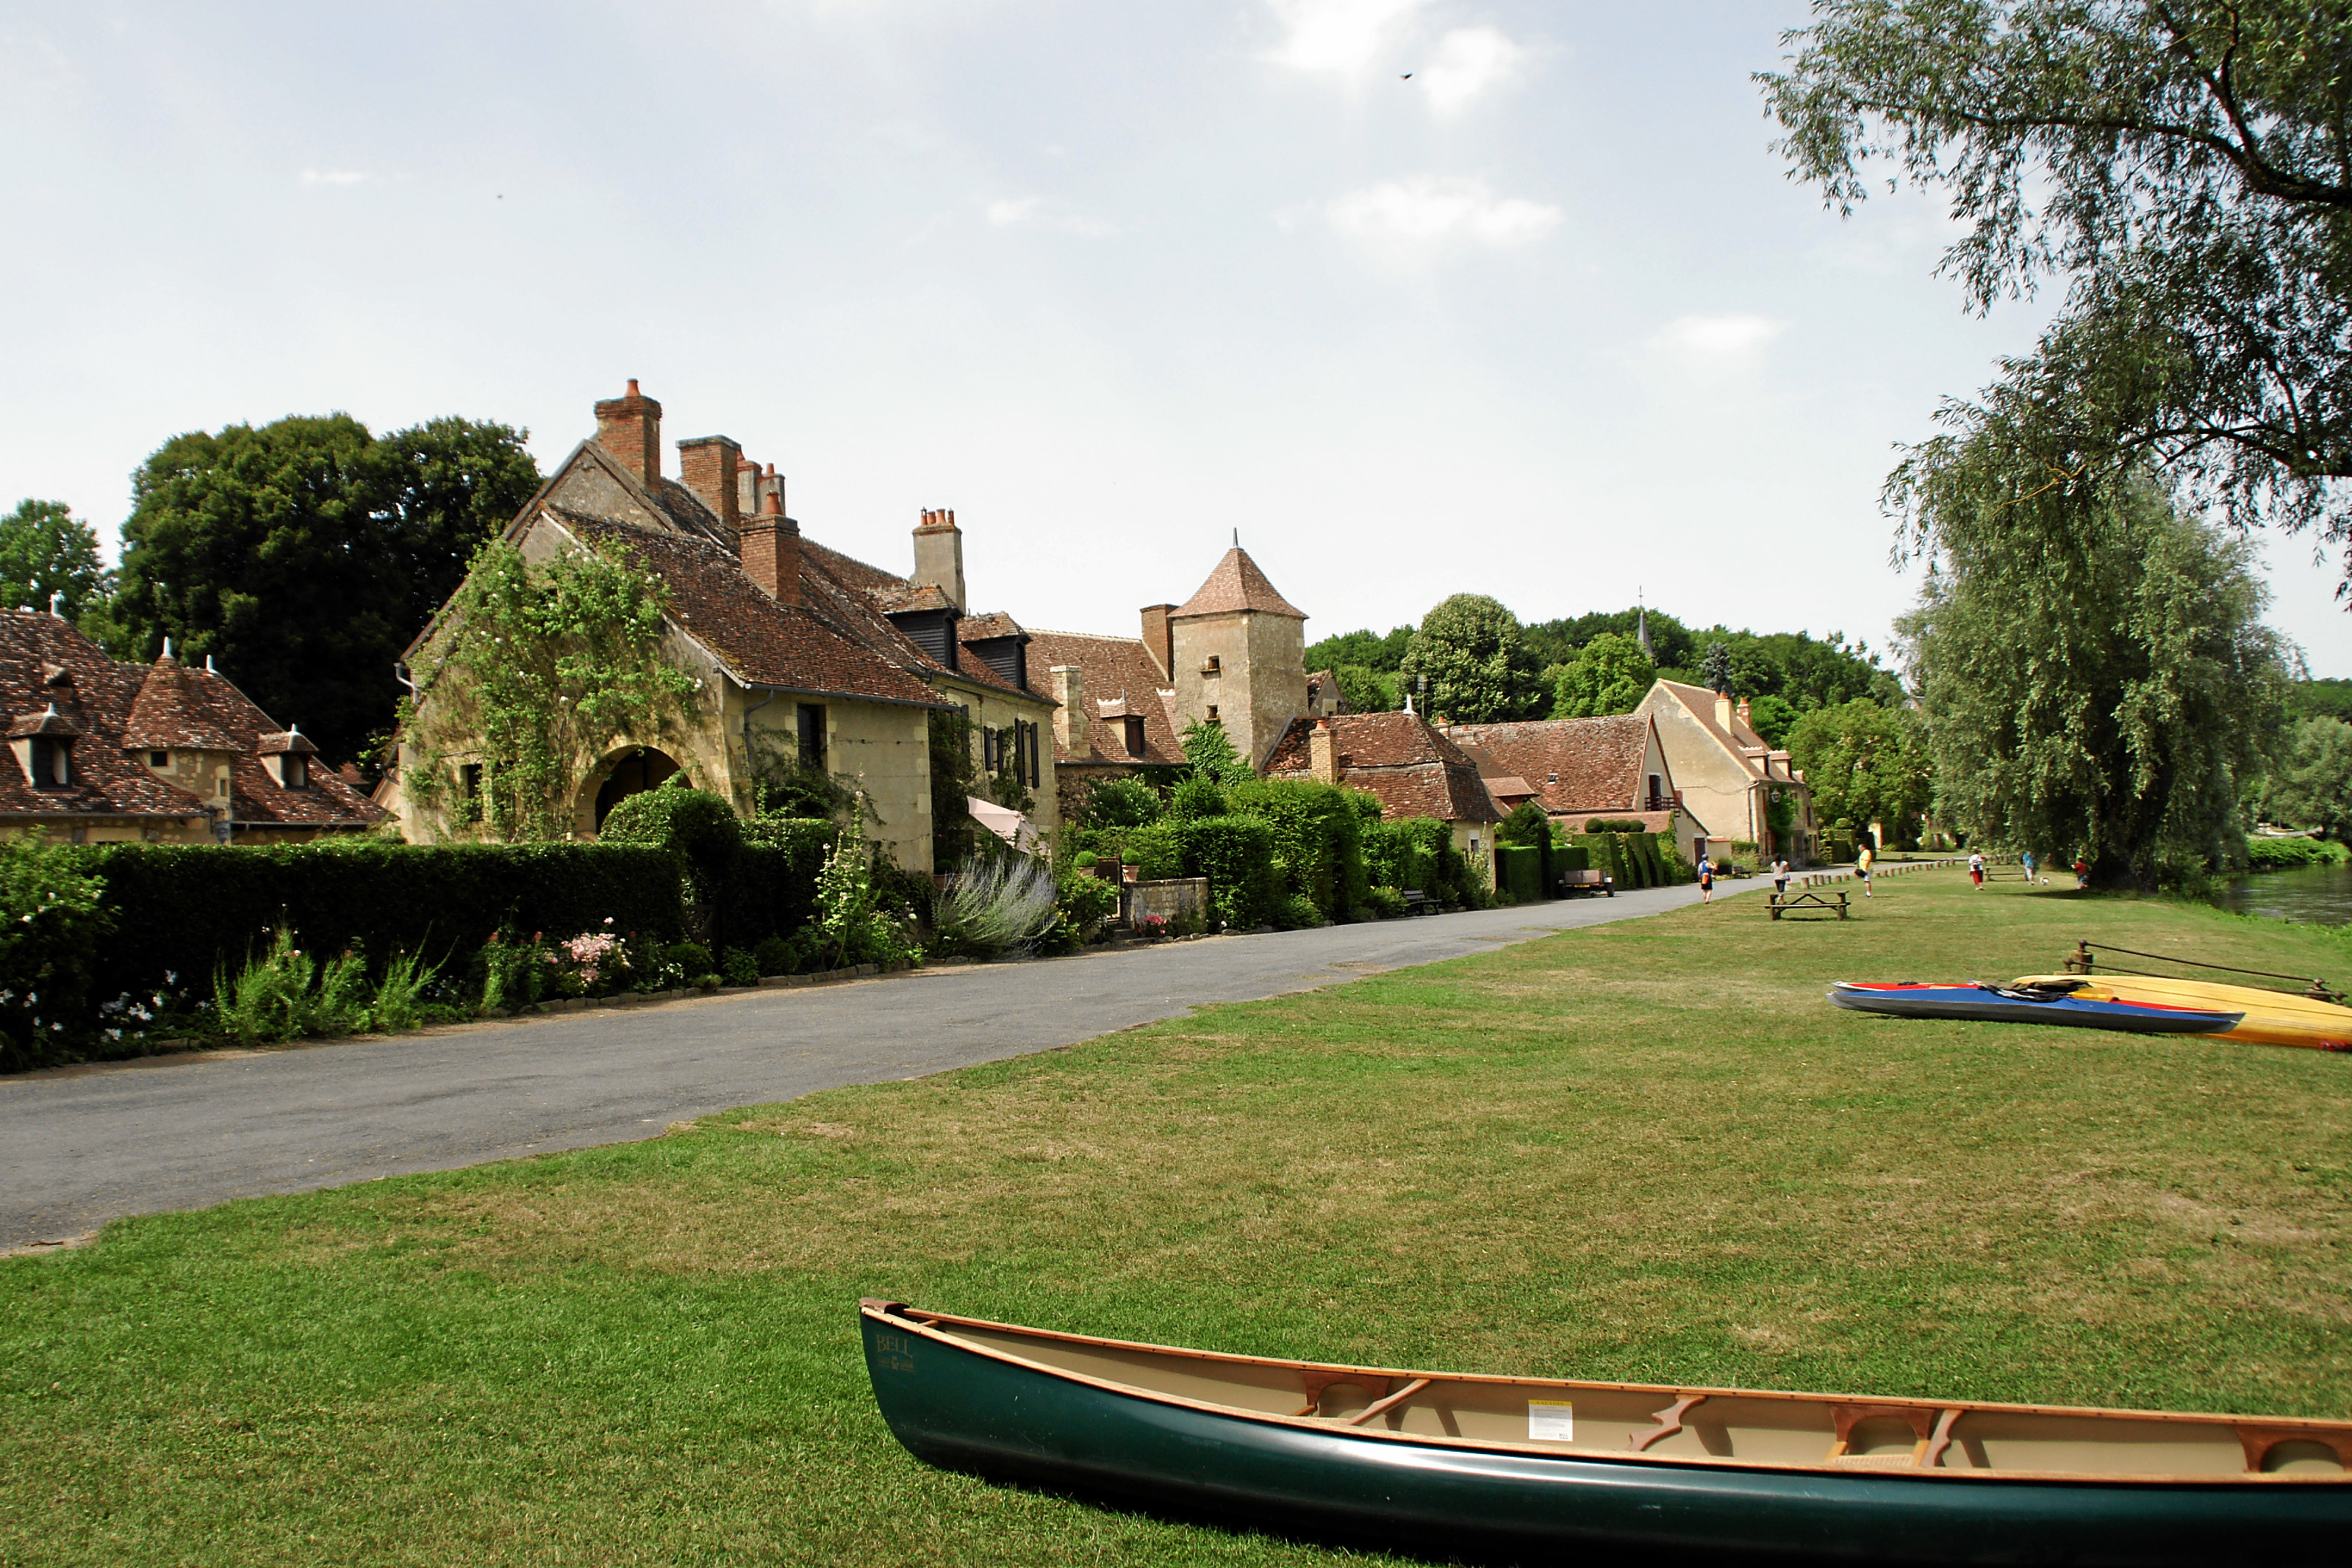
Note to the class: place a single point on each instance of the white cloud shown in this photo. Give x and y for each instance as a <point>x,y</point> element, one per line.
<point>1343,37</point>
<point>1715,338</point>
<point>1036,212</point>
<point>334,177</point>
<point>1468,61</point>
<point>1426,207</point>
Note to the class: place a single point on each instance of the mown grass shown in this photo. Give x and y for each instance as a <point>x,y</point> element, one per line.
<point>1642,1151</point>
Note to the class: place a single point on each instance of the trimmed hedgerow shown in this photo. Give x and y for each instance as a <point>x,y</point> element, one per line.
<point>1317,840</point>
<point>1236,854</point>
<point>1519,870</point>
<point>199,908</point>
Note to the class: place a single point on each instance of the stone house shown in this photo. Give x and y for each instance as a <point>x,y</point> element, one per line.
<point>1729,773</point>
<point>1233,655</point>
<point>1411,767</point>
<point>1579,769</point>
<point>801,653</point>
<point>108,752</point>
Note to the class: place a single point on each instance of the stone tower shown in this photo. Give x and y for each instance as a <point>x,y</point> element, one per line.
<point>1238,656</point>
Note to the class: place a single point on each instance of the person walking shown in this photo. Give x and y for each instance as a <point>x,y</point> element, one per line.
<point>2082,873</point>
<point>1706,880</point>
<point>1869,857</point>
<point>1781,877</point>
<point>1976,867</point>
<point>2026,859</point>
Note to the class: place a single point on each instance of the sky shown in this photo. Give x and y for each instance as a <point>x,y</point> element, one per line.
<point>1542,318</point>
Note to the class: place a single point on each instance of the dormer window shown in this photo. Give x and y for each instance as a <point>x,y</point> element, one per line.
<point>43,743</point>
<point>51,763</point>
<point>1134,723</point>
<point>288,758</point>
<point>159,760</point>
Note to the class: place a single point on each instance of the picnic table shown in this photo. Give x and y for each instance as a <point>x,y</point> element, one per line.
<point>1780,902</point>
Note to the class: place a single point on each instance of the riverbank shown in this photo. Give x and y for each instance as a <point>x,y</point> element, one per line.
<point>1643,1151</point>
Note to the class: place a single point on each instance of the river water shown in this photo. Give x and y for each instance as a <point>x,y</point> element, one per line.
<point>2317,896</point>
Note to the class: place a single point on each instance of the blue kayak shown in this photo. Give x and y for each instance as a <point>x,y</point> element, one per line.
<point>2026,1003</point>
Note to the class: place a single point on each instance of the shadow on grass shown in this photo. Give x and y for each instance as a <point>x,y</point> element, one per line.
<point>1384,1540</point>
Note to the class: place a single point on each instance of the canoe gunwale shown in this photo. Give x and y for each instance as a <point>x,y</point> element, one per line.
<point>2250,1430</point>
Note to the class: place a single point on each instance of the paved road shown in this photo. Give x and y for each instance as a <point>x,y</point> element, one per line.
<point>81,1145</point>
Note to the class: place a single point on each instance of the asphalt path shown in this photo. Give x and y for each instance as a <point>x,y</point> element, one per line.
<point>81,1145</point>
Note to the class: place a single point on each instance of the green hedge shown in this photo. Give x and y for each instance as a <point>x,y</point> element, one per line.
<point>183,911</point>
<point>1519,870</point>
<point>1317,838</point>
<point>1236,854</point>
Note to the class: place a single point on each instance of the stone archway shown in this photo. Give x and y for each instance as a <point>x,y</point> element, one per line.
<point>629,772</point>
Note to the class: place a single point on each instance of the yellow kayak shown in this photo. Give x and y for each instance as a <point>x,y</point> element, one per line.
<point>2273,1018</point>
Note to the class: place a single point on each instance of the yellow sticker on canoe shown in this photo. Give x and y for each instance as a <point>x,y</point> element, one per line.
<point>1551,1421</point>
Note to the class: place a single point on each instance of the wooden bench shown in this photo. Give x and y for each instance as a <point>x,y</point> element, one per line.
<point>1419,903</point>
<point>1574,882</point>
<point>1781,901</point>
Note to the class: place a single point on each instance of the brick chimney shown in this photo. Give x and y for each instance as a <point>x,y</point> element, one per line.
<point>1073,724</point>
<point>1161,638</point>
<point>1322,758</point>
<point>939,557</point>
<point>770,544</point>
<point>746,489</point>
<point>1723,712</point>
<point>1743,714</point>
<point>706,467</point>
<point>629,427</point>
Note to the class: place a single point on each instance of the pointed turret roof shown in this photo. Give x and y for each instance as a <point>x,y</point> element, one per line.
<point>1238,584</point>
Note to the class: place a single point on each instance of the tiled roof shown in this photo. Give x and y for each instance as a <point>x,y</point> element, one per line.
<point>1237,584</point>
<point>43,661</point>
<point>1112,669</point>
<point>1574,764</point>
<point>984,628</point>
<point>1371,739</point>
<point>828,645</point>
<point>170,711</point>
<point>1410,767</point>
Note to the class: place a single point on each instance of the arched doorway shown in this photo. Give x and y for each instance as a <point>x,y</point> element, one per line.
<point>638,769</point>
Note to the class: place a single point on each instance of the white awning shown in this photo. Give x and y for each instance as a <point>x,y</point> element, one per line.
<point>1006,822</point>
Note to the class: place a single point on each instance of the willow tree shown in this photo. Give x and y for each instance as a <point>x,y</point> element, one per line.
<point>2183,167</point>
<point>532,671</point>
<point>2091,660</point>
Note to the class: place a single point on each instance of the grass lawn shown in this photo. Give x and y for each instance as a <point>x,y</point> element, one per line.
<point>1644,1151</point>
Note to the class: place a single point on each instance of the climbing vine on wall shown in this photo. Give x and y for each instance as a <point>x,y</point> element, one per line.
<point>534,669</point>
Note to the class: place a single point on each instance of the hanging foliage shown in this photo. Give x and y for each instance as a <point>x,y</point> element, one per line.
<point>535,670</point>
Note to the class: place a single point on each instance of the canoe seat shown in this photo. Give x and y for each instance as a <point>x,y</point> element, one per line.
<point>1924,1424</point>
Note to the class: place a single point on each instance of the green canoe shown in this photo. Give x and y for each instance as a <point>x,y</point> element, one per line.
<point>1544,1468</point>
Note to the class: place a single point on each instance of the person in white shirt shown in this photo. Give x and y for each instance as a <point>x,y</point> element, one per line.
<point>1976,868</point>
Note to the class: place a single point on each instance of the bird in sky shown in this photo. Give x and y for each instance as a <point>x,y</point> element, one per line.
<point>1407,76</point>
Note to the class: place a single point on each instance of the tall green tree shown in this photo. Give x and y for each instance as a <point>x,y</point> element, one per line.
<point>1366,649</point>
<point>2310,784</point>
<point>1864,763</point>
<point>1477,666</point>
<point>1609,674</point>
<point>304,555</point>
<point>2184,167</point>
<point>45,551</point>
<point>2092,663</point>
